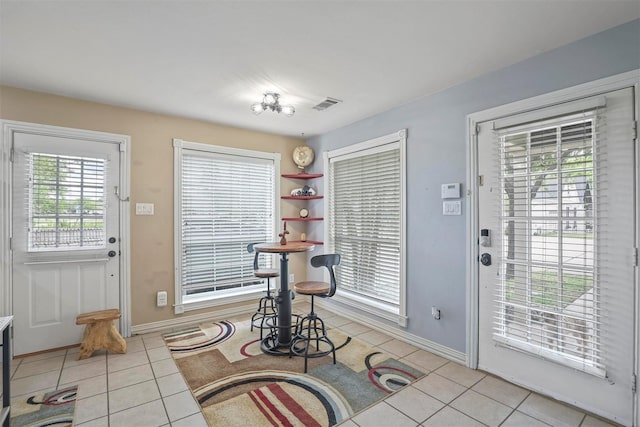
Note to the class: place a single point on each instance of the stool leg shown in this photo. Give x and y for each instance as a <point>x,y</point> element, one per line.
<point>308,344</point>
<point>266,308</point>
<point>115,343</point>
<point>311,328</point>
<point>86,348</point>
<point>101,335</point>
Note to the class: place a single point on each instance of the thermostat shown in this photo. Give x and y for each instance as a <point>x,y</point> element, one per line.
<point>450,191</point>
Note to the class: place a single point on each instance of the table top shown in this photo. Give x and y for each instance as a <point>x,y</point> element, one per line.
<point>5,321</point>
<point>276,247</point>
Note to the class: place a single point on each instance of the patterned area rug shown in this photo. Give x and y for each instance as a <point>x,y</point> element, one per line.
<point>54,408</point>
<point>238,385</point>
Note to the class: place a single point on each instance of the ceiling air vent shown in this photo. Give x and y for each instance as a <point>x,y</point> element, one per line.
<point>329,102</point>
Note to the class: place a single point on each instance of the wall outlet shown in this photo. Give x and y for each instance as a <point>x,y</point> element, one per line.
<point>292,278</point>
<point>435,312</point>
<point>161,298</point>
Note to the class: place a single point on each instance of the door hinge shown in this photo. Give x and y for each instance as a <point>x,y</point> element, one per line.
<point>635,130</point>
<point>477,129</point>
<point>11,331</point>
<point>633,383</point>
<point>635,257</point>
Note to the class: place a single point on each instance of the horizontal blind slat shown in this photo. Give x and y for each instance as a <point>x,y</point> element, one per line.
<point>227,203</point>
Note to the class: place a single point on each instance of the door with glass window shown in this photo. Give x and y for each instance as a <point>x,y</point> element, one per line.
<point>65,241</point>
<point>556,278</point>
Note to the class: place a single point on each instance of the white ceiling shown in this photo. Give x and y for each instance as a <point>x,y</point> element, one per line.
<point>210,60</point>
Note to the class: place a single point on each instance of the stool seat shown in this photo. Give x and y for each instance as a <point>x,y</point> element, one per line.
<point>100,332</point>
<point>312,288</point>
<point>96,316</point>
<point>266,272</point>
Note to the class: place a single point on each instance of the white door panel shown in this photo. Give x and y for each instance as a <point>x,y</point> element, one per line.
<point>64,212</point>
<point>556,305</point>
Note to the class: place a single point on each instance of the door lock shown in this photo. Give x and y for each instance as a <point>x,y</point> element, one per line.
<point>112,239</point>
<point>485,259</point>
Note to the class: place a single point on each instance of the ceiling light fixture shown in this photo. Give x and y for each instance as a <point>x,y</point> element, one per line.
<point>271,101</point>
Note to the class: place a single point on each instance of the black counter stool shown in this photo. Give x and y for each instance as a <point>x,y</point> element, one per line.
<point>311,327</point>
<point>266,307</point>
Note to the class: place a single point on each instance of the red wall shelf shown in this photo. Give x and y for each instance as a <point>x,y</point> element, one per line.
<point>301,197</point>
<point>289,197</point>
<point>302,175</point>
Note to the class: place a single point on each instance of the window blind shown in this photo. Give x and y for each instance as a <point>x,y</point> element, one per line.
<point>227,202</point>
<point>65,202</point>
<point>365,223</point>
<point>562,255</point>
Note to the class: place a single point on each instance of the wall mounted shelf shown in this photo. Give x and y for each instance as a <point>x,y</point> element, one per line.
<point>301,197</point>
<point>304,176</point>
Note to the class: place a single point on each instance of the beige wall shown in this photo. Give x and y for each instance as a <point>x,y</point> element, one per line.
<point>151,178</point>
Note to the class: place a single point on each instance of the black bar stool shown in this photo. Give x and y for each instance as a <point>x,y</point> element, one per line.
<point>311,327</point>
<point>266,307</point>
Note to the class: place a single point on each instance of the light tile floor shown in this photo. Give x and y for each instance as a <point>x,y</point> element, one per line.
<point>144,388</point>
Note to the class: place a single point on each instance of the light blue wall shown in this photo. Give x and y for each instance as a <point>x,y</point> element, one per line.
<point>436,154</point>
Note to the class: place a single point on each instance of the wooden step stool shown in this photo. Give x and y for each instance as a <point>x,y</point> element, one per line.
<point>100,332</point>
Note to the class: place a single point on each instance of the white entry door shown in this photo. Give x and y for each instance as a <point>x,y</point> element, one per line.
<point>556,280</point>
<point>65,242</point>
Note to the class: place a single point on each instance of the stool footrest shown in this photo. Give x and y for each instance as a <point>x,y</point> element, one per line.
<point>309,329</point>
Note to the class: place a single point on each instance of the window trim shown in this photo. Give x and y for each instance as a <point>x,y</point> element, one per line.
<point>179,146</point>
<point>375,145</point>
<point>30,205</point>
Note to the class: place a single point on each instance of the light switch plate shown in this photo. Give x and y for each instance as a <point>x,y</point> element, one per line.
<point>452,207</point>
<point>144,208</point>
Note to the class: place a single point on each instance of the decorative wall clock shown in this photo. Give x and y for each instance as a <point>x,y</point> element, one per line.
<point>303,156</point>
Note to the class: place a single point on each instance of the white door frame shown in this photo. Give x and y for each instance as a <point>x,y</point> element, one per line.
<point>624,80</point>
<point>10,127</point>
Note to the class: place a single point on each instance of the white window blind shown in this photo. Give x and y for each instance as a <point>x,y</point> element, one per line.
<point>365,203</point>
<point>227,202</point>
<point>65,202</point>
<point>561,257</point>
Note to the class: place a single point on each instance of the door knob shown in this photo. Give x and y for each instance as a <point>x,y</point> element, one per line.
<point>485,259</point>
<point>111,254</point>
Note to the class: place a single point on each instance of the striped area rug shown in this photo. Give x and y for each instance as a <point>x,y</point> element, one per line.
<point>54,408</point>
<point>238,385</point>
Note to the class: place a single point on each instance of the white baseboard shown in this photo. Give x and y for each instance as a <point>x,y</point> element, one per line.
<point>424,344</point>
<point>214,315</point>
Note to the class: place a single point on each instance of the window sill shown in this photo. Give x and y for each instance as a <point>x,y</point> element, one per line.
<point>207,300</point>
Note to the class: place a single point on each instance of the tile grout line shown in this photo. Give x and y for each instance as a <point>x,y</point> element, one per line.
<point>106,362</point>
<point>531,416</point>
<point>156,378</point>
<point>458,396</point>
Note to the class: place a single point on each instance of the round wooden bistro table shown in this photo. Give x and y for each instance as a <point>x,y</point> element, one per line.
<point>278,343</point>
